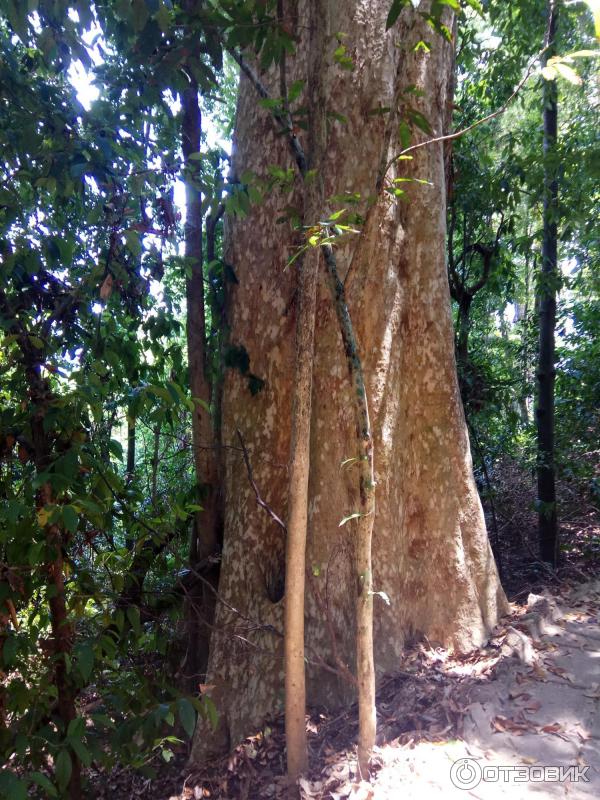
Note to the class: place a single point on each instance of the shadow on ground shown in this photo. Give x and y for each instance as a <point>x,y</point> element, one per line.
<point>518,710</point>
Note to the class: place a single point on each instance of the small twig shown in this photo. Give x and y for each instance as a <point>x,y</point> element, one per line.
<point>546,567</point>
<point>255,488</point>
<point>343,668</point>
<point>448,137</point>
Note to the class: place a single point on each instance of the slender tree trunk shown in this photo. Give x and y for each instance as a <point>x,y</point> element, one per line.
<point>431,555</point>
<point>365,664</point>
<point>219,336</point>
<point>62,635</point>
<point>155,463</point>
<point>298,496</point>
<point>524,320</point>
<point>464,322</point>
<point>130,466</point>
<point>205,544</point>
<point>547,519</point>
<point>62,630</point>
<point>130,469</point>
<point>295,562</point>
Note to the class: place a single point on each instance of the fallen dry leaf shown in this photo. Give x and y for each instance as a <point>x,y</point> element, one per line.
<point>554,727</point>
<point>532,706</point>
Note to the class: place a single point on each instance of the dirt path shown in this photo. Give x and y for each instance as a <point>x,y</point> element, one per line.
<point>540,709</point>
<point>500,722</point>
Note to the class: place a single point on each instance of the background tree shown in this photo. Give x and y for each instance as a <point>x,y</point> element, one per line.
<point>548,526</point>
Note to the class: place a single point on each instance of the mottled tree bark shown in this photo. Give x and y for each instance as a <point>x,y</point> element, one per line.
<point>431,555</point>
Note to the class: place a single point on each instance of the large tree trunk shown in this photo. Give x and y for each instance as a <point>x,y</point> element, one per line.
<point>431,555</point>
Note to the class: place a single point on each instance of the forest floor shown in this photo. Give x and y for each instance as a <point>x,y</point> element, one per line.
<point>527,700</point>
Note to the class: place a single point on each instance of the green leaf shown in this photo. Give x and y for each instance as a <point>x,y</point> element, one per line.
<point>70,518</point>
<point>594,6</point>
<point>567,73</point>
<point>384,596</point>
<point>187,715</point>
<point>62,769</point>
<point>582,54</point>
<point>420,120</point>
<point>85,660</point>
<point>295,90</point>
<point>132,240</point>
<point>116,448</point>
<point>209,711</point>
<point>394,12</point>
<point>202,403</point>
<point>16,11</point>
<point>81,751</point>
<point>11,787</point>
<point>140,16</point>
<point>404,133</point>
<point>9,650</point>
<point>44,783</point>
<point>133,615</point>
<point>76,729</point>
<point>454,4</point>
<point>270,103</point>
<point>8,199</point>
<point>341,57</point>
<point>163,18</point>
<point>356,515</point>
